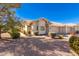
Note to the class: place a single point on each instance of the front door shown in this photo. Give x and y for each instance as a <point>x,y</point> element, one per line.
<point>29,30</point>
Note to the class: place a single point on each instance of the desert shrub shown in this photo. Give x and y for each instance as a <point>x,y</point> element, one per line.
<point>15,34</point>
<point>36,33</point>
<point>29,33</point>
<point>53,35</point>
<point>25,33</point>
<point>61,36</point>
<point>74,43</point>
<point>77,32</point>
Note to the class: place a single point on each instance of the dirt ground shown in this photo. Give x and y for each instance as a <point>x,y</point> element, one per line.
<point>35,46</point>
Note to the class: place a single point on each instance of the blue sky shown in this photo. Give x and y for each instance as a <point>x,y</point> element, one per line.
<point>57,12</point>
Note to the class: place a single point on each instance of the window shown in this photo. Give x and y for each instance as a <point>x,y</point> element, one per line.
<point>42,28</point>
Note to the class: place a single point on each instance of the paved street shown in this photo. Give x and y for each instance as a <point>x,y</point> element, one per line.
<point>35,46</point>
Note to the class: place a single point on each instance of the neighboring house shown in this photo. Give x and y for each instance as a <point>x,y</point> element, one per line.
<point>42,26</point>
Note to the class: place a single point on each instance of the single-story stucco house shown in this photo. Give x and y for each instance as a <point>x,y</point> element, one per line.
<point>42,26</point>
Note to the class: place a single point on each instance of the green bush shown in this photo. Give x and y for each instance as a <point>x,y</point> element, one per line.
<point>74,43</point>
<point>72,39</point>
<point>15,34</point>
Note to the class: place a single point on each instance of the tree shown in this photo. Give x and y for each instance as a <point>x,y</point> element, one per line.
<point>13,25</point>
<point>1,26</point>
<point>10,22</point>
